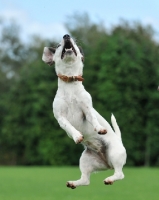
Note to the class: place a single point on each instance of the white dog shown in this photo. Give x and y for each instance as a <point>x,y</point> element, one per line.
<point>72,107</point>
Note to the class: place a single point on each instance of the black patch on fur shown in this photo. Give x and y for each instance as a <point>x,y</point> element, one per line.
<point>52,49</point>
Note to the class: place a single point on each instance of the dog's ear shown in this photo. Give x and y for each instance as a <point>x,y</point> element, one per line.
<point>81,50</point>
<point>47,56</point>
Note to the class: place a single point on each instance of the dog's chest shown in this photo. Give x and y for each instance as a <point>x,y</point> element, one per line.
<point>71,103</point>
<point>70,97</point>
<point>74,112</point>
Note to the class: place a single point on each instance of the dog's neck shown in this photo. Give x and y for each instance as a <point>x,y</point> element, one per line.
<point>69,69</point>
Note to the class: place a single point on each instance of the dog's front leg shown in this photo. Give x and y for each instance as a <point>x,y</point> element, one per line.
<point>87,108</point>
<point>91,117</point>
<point>71,131</point>
<point>60,109</point>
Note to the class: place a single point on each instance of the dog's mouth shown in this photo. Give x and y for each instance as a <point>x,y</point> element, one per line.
<point>68,47</point>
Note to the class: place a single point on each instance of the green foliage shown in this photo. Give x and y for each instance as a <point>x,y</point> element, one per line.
<point>121,73</point>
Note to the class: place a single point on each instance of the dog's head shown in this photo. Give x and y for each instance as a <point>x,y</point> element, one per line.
<point>67,52</point>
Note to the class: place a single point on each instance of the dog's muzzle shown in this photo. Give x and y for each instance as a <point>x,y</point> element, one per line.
<point>68,46</point>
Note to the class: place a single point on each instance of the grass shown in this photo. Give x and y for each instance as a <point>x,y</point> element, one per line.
<point>48,183</point>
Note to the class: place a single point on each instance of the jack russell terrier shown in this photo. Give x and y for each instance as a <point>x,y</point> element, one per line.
<point>73,109</point>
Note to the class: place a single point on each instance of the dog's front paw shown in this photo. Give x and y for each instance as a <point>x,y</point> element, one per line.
<point>70,185</point>
<point>79,139</point>
<point>101,130</point>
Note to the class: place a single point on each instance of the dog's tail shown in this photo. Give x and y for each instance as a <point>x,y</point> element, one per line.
<point>115,126</point>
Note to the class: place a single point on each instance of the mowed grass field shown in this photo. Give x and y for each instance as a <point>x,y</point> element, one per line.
<point>49,183</point>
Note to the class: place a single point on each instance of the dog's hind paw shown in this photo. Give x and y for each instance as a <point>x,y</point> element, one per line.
<point>108,182</point>
<point>70,185</point>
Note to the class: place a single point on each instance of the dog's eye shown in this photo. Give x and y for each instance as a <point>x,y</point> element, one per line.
<point>58,45</point>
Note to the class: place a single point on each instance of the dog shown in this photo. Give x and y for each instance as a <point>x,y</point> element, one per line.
<point>73,109</point>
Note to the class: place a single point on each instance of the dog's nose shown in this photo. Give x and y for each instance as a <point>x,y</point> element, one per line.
<point>66,37</point>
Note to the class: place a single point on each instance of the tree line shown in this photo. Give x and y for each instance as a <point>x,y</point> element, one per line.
<point>121,73</point>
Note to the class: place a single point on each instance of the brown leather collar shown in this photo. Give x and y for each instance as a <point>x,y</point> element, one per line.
<point>70,78</point>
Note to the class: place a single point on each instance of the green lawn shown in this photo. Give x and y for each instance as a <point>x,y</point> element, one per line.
<point>48,183</point>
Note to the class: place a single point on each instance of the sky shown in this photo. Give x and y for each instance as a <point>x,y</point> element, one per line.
<point>46,18</point>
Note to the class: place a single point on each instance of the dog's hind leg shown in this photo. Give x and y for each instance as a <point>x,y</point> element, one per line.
<point>118,175</point>
<point>117,161</point>
<point>89,162</point>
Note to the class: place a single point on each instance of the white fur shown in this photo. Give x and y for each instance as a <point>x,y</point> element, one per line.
<point>72,107</point>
